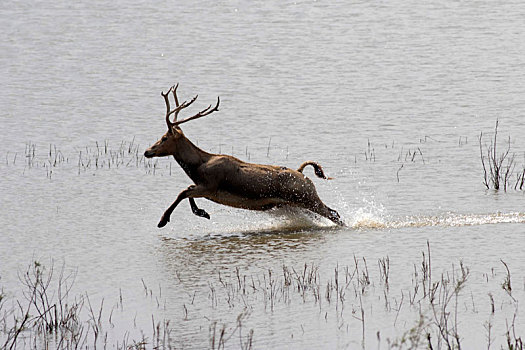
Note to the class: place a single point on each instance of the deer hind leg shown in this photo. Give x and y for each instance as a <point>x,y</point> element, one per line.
<point>191,192</point>
<point>331,214</point>
<point>317,169</point>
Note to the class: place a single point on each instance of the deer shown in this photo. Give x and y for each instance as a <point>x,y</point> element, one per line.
<point>230,181</point>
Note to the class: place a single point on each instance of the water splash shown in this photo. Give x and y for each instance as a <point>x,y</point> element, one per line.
<point>367,217</point>
<point>243,223</point>
<point>295,219</point>
<point>371,216</point>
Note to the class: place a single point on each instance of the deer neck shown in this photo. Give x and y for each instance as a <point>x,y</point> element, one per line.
<point>190,157</point>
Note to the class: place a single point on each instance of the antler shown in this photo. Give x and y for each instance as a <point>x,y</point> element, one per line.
<point>178,107</point>
<point>183,105</point>
<point>203,113</point>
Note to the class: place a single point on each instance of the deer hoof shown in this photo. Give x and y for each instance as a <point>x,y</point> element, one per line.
<point>162,223</point>
<point>202,213</point>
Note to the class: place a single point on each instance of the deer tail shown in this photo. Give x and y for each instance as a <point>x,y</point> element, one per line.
<point>317,168</point>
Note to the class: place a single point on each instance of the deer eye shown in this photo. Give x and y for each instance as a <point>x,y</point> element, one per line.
<point>164,138</point>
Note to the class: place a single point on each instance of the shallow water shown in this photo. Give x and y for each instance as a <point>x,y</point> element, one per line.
<point>389,97</point>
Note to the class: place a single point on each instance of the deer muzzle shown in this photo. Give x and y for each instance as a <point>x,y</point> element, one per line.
<point>149,153</point>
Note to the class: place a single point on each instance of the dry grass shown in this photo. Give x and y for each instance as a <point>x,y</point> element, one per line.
<point>499,167</point>
<point>49,316</point>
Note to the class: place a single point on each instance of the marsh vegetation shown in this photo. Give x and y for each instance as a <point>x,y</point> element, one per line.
<point>360,296</point>
<point>499,167</point>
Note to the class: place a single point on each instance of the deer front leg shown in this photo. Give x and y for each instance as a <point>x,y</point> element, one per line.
<point>197,211</point>
<point>191,192</point>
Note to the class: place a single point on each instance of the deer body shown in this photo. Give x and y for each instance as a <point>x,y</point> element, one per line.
<point>230,181</point>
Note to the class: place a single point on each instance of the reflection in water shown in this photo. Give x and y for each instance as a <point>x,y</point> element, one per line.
<point>248,247</point>
<point>202,256</point>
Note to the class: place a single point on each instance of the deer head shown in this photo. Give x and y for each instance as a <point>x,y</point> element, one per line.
<point>166,145</point>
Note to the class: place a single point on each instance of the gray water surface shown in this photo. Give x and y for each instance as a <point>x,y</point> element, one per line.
<point>390,97</point>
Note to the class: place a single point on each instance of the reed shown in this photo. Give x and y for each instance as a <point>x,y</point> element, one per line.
<point>102,155</point>
<point>50,316</point>
<point>498,167</point>
<point>384,271</point>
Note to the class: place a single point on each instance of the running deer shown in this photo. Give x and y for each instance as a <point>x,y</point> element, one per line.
<point>229,181</point>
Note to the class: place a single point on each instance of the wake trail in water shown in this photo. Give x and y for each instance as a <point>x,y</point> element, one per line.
<point>294,220</point>
<point>371,221</point>
<point>364,218</point>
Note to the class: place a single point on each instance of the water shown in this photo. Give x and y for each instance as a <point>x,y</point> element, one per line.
<point>389,97</point>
